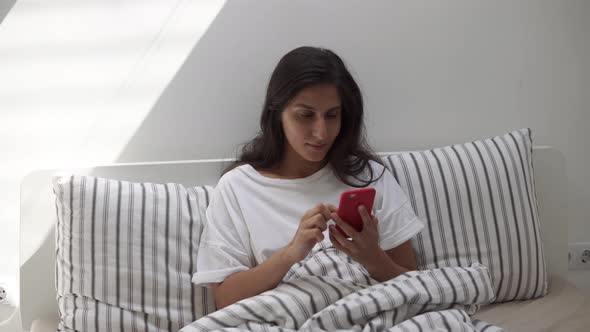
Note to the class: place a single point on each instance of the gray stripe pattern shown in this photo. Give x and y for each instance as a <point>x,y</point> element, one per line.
<point>318,294</point>
<point>478,202</point>
<point>126,253</point>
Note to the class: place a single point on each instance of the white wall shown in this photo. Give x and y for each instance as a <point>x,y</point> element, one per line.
<point>433,73</point>
<point>76,80</point>
<point>579,154</point>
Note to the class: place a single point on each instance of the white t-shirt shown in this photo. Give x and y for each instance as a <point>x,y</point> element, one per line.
<point>251,216</point>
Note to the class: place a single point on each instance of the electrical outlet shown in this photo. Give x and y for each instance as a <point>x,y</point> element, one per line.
<point>579,256</point>
<point>2,294</point>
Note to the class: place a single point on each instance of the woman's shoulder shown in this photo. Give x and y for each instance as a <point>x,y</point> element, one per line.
<point>372,172</point>
<point>378,169</point>
<point>378,166</point>
<point>232,176</point>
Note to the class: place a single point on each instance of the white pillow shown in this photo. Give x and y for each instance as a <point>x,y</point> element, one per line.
<point>479,205</point>
<point>126,253</point>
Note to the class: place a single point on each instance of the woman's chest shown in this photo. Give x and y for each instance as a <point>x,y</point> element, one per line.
<point>273,219</point>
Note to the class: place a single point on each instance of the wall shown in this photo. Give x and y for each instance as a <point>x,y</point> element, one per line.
<point>432,74</point>
<point>77,78</point>
<point>5,6</point>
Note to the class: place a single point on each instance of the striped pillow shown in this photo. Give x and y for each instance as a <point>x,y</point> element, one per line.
<point>126,253</point>
<point>478,202</point>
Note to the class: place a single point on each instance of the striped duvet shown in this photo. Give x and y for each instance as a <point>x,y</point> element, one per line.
<point>328,291</point>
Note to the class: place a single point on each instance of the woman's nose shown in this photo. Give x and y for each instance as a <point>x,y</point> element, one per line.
<point>319,129</point>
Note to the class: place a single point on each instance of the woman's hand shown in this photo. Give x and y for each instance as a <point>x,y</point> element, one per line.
<point>362,246</point>
<point>312,225</point>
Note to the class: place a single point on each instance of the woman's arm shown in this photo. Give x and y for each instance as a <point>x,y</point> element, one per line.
<point>404,256</point>
<point>269,273</point>
<point>364,248</point>
<point>396,261</point>
<point>254,281</point>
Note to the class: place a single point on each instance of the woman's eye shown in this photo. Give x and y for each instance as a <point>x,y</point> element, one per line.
<point>306,115</point>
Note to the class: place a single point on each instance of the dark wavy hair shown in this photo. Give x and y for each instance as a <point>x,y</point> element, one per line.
<point>302,67</point>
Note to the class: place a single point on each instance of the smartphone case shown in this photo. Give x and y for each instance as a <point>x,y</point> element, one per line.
<point>350,201</point>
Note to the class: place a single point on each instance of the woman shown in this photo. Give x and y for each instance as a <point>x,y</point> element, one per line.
<point>273,205</point>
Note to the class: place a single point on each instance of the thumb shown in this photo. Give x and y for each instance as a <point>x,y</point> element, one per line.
<point>374,220</point>
<point>367,216</point>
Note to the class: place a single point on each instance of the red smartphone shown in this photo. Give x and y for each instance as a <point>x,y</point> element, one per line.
<point>349,203</point>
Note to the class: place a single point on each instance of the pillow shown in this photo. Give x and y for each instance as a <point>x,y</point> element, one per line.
<point>479,205</point>
<point>126,253</point>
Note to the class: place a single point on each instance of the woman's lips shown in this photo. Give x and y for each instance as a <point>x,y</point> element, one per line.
<point>317,147</point>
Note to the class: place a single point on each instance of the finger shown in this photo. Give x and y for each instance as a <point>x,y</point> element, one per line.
<point>332,208</point>
<point>309,213</point>
<point>337,234</point>
<point>336,242</point>
<point>318,222</point>
<point>341,240</point>
<point>326,212</point>
<point>351,232</point>
<point>375,220</point>
<point>367,219</point>
<point>315,234</point>
<point>338,246</point>
<point>315,221</point>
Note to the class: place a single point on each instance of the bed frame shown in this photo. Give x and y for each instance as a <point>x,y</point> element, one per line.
<point>37,231</point>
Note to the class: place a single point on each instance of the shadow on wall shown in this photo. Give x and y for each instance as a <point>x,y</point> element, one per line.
<point>5,6</point>
<point>191,120</point>
<point>213,103</point>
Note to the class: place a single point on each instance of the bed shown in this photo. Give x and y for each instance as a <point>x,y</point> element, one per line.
<point>565,308</point>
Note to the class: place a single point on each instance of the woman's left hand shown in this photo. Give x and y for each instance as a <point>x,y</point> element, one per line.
<point>362,246</point>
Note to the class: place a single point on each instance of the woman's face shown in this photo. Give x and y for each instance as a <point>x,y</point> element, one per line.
<point>311,122</point>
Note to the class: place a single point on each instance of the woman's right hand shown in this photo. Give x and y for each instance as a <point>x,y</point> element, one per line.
<point>312,225</point>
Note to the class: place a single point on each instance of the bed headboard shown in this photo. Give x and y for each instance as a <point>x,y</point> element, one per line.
<point>37,247</point>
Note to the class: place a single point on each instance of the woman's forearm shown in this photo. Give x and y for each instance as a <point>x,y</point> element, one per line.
<point>254,281</point>
<point>385,269</point>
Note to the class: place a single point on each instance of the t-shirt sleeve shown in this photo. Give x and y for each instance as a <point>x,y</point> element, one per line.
<point>397,220</point>
<point>224,248</point>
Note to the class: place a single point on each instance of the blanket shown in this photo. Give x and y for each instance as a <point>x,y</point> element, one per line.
<point>328,291</point>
